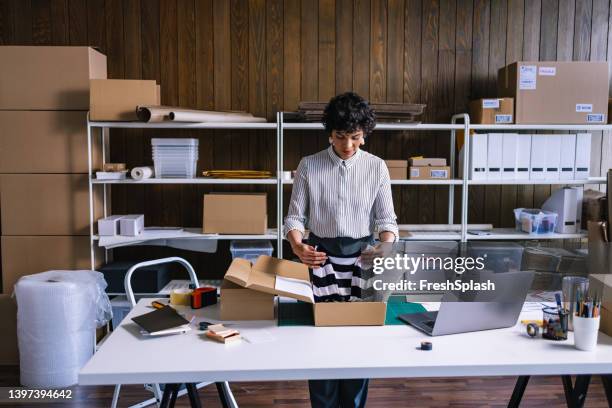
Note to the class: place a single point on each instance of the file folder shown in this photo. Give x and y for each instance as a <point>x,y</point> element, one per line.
<point>523,156</point>
<point>494,156</point>
<point>563,202</point>
<point>553,156</point>
<point>478,157</point>
<point>583,156</point>
<point>568,157</point>
<point>509,156</point>
<point>538,157</point>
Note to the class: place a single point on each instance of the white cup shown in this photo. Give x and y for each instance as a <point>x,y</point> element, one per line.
<point>585,332</point>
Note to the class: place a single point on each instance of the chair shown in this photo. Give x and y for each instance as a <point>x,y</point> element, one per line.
<point>225,393</point>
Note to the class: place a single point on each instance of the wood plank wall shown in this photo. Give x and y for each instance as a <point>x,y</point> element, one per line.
<point>267,55</point>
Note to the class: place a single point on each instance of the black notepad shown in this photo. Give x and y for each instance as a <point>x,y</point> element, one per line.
<point>160,319</point>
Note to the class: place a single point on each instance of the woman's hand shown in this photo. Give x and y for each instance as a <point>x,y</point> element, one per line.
<point>308,255</point>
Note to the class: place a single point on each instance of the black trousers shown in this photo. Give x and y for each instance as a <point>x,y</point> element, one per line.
<point>338,393</point>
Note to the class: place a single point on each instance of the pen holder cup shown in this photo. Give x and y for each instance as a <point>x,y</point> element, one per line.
<point>585,332</point>
<point>555,323</point>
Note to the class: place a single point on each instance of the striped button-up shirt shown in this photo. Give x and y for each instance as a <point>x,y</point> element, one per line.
<point>341,198</point>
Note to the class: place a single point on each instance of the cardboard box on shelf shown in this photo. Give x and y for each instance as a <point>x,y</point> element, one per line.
<point>48,77</point>
<point>429,173</point>
<point>556,92</point>
<point>46,204</point>
<point>27,255</point>
<point>9,353</point>
<point>602,284</point>
<point>492,111</point>
<point>291,279</point>
<point>398,169</point>
<point>45,142</point>
<point>427,161</point>
<point>116,99</point>
<point>235,213</point>
<point>238,303</point>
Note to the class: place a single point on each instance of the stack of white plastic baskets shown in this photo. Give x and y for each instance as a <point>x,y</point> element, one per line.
<point>175,158</point>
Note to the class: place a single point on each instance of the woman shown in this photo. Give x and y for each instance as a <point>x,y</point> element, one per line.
<point>343,195</point>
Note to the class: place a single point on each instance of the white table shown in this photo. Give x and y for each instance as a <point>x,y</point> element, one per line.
<point>303,352</point>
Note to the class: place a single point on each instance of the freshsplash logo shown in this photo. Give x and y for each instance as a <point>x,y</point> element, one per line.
<point>413,264</point>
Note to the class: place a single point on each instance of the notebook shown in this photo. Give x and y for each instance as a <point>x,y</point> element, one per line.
<point>162,321</point>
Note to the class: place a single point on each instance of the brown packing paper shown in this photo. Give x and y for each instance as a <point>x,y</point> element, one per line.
<point>176,114</point>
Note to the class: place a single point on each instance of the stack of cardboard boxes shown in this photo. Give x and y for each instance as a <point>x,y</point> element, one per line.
<point>44,202</point>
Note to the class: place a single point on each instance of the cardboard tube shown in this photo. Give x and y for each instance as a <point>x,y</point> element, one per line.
<point>141,173</point>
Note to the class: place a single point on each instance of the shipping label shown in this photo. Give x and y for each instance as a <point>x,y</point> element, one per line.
<point>490,104</point>
<point>547,71</point>
<point>584,107</point>
<point>503,118</point>
<point>595,117</point>
<point>527,77</point>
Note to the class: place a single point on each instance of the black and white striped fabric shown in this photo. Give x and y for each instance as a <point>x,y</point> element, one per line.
<point>342,279</point>
<point>341,198</point>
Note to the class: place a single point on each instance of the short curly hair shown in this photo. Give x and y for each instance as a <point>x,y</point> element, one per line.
<point>349,112</point>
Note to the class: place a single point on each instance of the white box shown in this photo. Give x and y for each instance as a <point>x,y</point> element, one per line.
<point>523,157</point>
<point>563,202</point>
<point>568,157</point>
<point>509,156</point>
<point>553,156</point>
<point>494,156</point>
<point>583,156</point>
<point>538,157</point>
<point>109,226</point>
<point>477,167</point>
<point>131,225</point>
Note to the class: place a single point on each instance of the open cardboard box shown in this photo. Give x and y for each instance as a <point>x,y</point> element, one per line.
<point>291,279</point>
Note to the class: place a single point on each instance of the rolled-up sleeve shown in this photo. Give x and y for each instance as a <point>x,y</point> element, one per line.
<point>384,214</point>
<point>296,218</point>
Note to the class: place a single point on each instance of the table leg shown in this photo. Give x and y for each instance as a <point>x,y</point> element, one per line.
<point>575,395</point>
<point>169,396</point>
<point>607,384</point>
<point>222,397</point>
<point>519,390</point>
<point>192,392</point>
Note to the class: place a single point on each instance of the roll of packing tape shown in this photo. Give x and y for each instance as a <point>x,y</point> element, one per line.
<point>180,297</point>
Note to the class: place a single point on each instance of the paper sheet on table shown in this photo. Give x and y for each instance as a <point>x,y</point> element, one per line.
<point>256,336</point>
<point>296,286</point>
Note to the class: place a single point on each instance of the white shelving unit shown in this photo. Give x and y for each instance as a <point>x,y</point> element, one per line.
<point>280,127</point>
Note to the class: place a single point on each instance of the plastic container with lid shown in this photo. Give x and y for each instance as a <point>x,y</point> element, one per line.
<point>535,221</point>
<point>250,250</point>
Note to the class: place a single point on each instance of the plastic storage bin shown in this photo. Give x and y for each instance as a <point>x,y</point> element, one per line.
<point>175,158</point>
<point>250,250</point>
<point>498,256</point>
<point>535,221</point>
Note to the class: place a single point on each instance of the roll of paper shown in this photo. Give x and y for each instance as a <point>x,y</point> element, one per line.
<point>141,173</point>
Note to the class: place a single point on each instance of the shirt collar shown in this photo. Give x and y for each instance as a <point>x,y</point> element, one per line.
<point>339,161</point>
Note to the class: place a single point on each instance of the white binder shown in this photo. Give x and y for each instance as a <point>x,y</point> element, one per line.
<point>568,157</point>
<point>538,157</point>
<point>477,169</point>
<point>509,156</point>
<point>553,156</point>
<point>523,156</point>
<point>494,156</point>
<point>563,202</point>
<point>583,156</point>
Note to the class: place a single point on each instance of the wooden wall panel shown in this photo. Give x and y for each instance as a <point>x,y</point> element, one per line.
<point>267,55</point>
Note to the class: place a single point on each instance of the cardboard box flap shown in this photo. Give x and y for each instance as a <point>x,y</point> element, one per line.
<point>239,272</point>
<point>274,276</point>
<point>280,267</point>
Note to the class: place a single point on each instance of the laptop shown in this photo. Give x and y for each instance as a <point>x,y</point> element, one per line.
<point>484,310</point>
